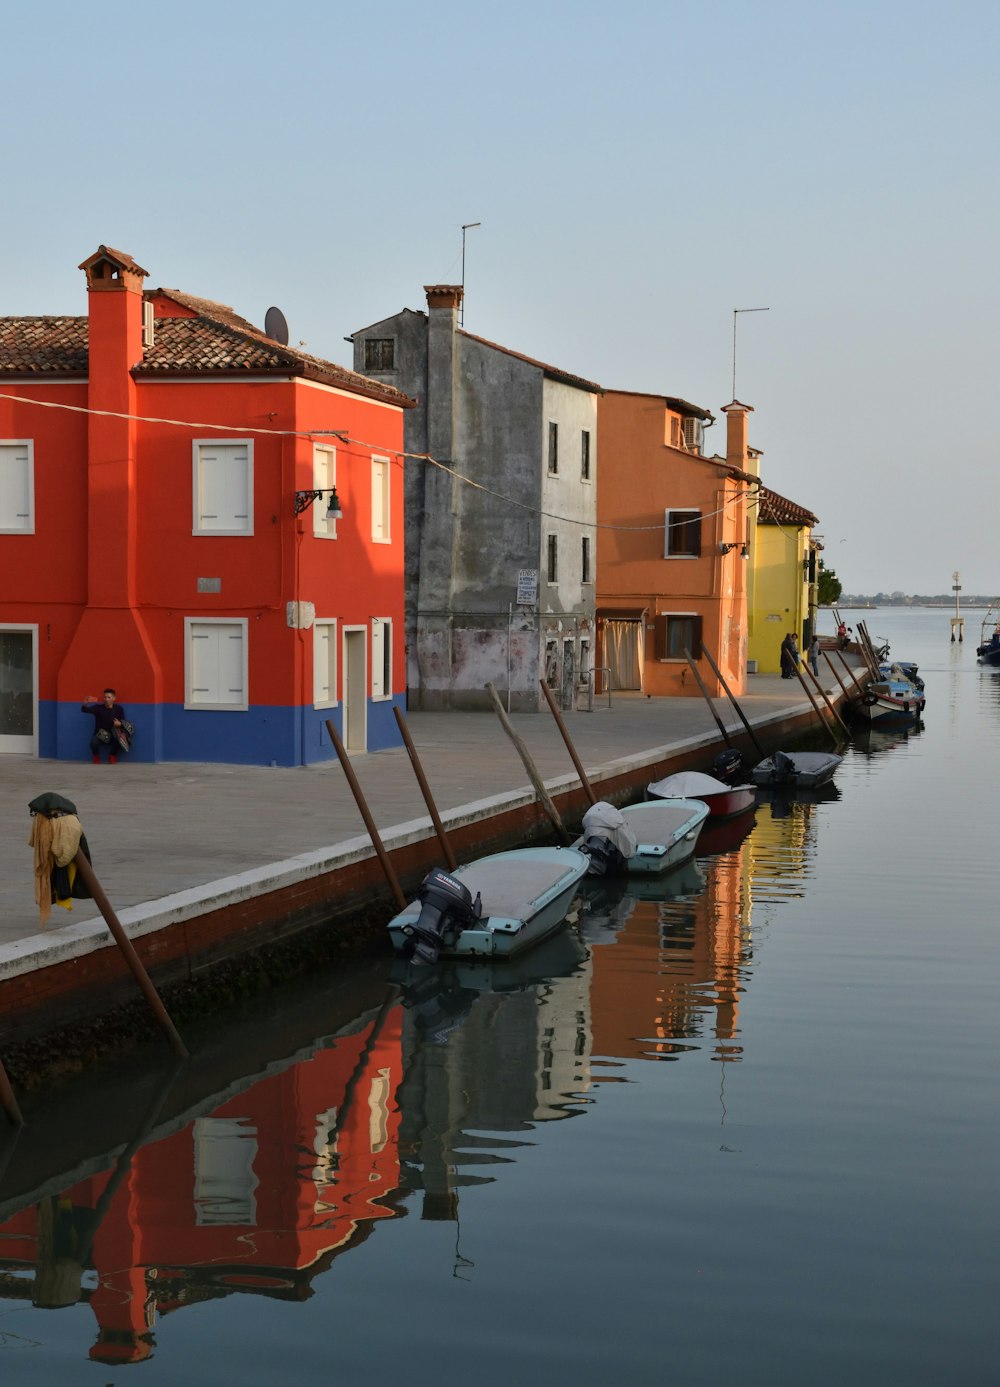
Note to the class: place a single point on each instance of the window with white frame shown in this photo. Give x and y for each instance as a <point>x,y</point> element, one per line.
<point>17,487</point>
<point>223,487</point>
<point>215,664</point>
<point>225,1186</point>
<point>380,500</point>
<point>381,657</point>
<point>324,664</point>
<point>324,479</point>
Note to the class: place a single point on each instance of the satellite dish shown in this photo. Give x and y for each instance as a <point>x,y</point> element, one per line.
<point>275,326</point>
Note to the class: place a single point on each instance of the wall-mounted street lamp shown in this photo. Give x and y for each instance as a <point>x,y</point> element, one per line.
<point>725,548</point>
<point>304,499</point>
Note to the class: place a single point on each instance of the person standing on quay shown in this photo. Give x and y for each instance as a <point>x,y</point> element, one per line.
<point>814,656</point>
<point>789,657</point>
<point>109,718</point>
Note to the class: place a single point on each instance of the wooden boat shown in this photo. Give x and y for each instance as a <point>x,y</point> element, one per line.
<point>648,838</point>
<point>495,907</point>
<point>988,649</point>
<point>724,801</point>
<point>796,770</point>
<point>893,699</point>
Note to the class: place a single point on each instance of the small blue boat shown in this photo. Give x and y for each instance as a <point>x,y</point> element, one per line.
<point>495,907</point>
<point>643,839</point>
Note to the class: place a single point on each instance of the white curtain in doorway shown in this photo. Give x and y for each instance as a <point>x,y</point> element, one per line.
<point>623,644</point>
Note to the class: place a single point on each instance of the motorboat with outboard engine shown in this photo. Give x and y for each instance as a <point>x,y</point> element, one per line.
<point>494,907</point>
<point>796,770</point>
<point>723,800</point>
<point>648,838</point>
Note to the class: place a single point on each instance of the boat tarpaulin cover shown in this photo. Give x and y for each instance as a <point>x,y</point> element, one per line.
<point>605,819</point>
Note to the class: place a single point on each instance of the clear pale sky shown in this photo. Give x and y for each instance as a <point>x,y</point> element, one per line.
<point>640,170</point>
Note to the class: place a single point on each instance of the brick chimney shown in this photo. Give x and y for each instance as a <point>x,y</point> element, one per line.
<point>736,433</point>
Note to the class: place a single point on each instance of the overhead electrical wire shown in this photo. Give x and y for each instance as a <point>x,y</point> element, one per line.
<point>344,437</point>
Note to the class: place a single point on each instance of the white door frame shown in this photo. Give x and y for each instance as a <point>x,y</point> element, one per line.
<point>354,687</point>
<point>25,745</point>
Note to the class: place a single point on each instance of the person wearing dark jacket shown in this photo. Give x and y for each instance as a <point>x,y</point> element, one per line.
<point>109,718</point>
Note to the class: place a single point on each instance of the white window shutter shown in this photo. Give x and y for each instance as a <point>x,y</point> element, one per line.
<point>15,487</point>
<point>378,657</point>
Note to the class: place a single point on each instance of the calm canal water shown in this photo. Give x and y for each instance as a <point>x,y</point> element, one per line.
<point>746,1131</point>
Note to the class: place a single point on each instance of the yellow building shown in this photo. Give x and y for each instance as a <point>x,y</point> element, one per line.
<point>783,589</point>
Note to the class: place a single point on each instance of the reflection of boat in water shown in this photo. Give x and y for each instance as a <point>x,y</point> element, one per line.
<point>608,903</point>
<point>726,835</point>
<point>806,794</point>
<point>555,957</point>
<point>872,741</point>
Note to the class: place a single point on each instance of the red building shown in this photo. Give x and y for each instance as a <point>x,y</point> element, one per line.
<point>166,470</point>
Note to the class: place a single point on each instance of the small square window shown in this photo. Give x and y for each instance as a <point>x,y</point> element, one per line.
<point>683,534</point>
<point>380,353</point>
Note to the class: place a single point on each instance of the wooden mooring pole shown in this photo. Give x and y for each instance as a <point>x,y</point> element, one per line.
<point>588,788</point>
<point>7,1100</point>
<point>86,873</point>
<point>425,790</point>
<point>544,797</point>
<point>825,697</point>
<point>708,698</point>
<point>816,708</point>
<point>362,803</point>
<point>739,711</point>
<point>833,671</point>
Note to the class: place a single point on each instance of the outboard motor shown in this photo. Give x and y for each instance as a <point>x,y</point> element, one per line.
<point>607,840</point>
<point>446,908</point>
<point>605,858</point>
<point>728,766</point>
<point>784,768</point>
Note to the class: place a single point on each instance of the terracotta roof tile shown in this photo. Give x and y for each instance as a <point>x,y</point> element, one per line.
<point>214,342</point>
<point>778,510</point>
<point>52,346</point>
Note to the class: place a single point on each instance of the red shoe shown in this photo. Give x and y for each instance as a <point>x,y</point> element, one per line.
<point>112,760</point>
<point>96,760</point>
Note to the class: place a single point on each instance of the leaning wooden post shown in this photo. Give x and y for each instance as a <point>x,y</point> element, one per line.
<point>529,766</point>
<point>7,1100</point>
<point>373,833</point>
<point>823,695</point>
<point>857,682</point>
<point>739,711</point>
<point>708,697</point>
<point>816,708</point>
<point>86,873</point>
<point>833,671</point>
<point>425,790</point>
<point>588,788</point>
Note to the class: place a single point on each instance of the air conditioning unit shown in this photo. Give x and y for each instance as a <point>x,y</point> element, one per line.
<point>694,434</point>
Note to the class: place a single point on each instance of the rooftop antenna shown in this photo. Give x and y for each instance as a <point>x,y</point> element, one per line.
<point>735,311</point>
<point>466,226</point>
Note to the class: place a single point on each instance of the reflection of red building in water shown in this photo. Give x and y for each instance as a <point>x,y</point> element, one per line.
<point>257,1196</point>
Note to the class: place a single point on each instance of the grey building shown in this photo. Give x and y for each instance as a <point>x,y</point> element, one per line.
<point>500,497</point>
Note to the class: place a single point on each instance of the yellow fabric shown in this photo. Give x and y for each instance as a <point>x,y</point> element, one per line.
<point>56,842</point>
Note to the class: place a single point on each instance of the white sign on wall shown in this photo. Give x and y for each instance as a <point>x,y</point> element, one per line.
<point>527,587</point>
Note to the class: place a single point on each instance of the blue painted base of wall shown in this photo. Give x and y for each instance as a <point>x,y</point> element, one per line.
<point>261,736</point>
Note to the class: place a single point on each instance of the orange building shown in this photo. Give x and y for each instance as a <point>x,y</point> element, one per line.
<point>672,544</point>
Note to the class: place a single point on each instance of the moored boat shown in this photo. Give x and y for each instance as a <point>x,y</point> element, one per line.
<point>724,801</point>
<point>645,839</point>
<point>796,770</point>
<point>893,699</point>
<point>988,649</point>
<point>495,907</point>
